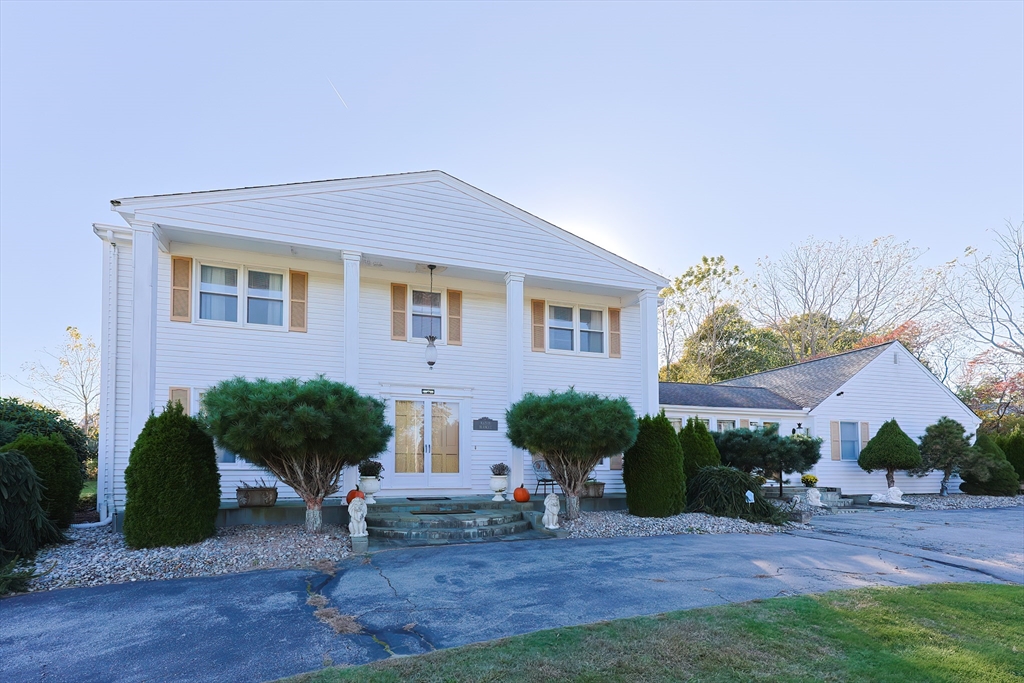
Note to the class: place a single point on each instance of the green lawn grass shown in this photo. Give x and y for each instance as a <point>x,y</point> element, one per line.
<point>944,632</point>
<point>89,488</point>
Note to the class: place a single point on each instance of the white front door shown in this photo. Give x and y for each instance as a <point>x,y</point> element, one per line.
<point>428,443</point>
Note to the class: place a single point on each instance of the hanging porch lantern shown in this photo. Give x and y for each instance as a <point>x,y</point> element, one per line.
<point>431,352</point>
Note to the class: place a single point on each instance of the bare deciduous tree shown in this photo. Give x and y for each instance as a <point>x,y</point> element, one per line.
<point>986,293</point>
<point>69,379</point>
<point>819,293</point>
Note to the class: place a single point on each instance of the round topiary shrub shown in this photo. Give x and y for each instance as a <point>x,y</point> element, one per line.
<point>890,450</point>
<point>722,491</point>
<point>1002,479</point>
<point>59,474</point>
<point>699,449</point>
<point>652,470</point>
<point>171,482</point>
<point>24,526</point>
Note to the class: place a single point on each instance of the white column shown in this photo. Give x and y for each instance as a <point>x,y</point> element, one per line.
<point>144,287</point>
<point>649,403</point>
<point>351,284</point>
<point>352,259</point>
<point>515,341</point>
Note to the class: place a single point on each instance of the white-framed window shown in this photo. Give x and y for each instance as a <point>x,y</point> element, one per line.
<point>577,329</point>
<point>766,424</point>
<point>726,425</point>
<point>849,440</point>
<point>754,424</point>
<point>218,293</point>
<point>427,314</point>
<point>677,423</point>
<point>264,296</point>
<point>235,294</point>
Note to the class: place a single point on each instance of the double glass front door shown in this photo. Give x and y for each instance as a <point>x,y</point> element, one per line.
<point>427,443</point>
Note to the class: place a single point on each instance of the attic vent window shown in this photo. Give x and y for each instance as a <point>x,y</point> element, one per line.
<point>895,359</point>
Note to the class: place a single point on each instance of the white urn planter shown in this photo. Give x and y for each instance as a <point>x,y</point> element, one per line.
<point>498,485</point>
<point>369,486</point>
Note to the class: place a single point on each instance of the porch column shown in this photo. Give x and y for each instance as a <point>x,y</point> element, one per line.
<point>144,278</point>
<point>351,325</point>
<point>515,342</point>
<point>649,401</point>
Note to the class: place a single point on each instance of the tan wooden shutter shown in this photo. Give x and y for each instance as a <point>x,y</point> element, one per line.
<point>745,424</point>
<point>616,462</point>
<point>454,317</point>
<point>865,434</point>
<point>614,333</point>
<point>298,294</point>
<point>181,289</point>
<point>837,448</point>
<point>537,307</point>
<point>399,294</point>
<point>181,395</point>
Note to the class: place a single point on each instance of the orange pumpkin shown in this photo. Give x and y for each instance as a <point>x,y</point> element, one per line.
<point>353,494</point>
<point>521,495</point>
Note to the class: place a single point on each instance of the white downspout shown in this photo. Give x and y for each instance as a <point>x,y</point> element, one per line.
<point>107,508</point>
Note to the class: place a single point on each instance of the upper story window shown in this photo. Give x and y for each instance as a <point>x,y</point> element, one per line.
<point>591,331</point>
<point>567,328</point>
<point>426,314</point>
<point>726,425</point>
<point>265,298</point>
<point>849,440</point>
<point>218,294</point>
<point>560,328</point>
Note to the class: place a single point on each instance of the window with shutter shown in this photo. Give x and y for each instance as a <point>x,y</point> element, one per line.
<point>537,307</point>
<point>181,289</point>
<point>865,436</point>
<point>181,395</point>
<point>398,311</point>
<point>614,333</point>
<point>454,317</point>
<point>745,424</point>
<point>298,297</point>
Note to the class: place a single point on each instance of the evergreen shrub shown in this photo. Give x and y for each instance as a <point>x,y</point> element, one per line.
<point>1002,479</point>
<point>890,450</point>
<point>986,444</point>
<point>24,526</point>
<point>1013,448</point>
<point>172,483</point>
<point>18,418</point>
<point>652,470</point>
<point>59,473</point>
<point>722,491</point>
<point>699,449</point>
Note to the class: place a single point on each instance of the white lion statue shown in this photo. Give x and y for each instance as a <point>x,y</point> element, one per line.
<point>893,495</point>
<point>551,506</point>
<point>357,518</point>
<point>814,498</point>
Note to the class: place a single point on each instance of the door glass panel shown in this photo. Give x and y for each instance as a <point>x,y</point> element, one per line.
<point>444,438</point>
<point>409,437</point>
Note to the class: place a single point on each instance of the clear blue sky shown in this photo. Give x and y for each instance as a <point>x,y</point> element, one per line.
<point>661,131</point>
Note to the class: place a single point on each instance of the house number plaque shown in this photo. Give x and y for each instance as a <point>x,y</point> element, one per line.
<point>485,424</point>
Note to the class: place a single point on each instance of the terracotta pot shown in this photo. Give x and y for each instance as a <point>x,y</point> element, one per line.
<point>353,494</point>
<point>521,495</point>
<point>258,497</point>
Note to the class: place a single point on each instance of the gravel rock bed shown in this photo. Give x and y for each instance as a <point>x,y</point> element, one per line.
<point>801,506</point>
<point>98,556</point>
<point>960,501</point>
<point>610,524</point>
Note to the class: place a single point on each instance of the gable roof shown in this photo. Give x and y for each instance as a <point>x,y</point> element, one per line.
<point>718,396</point>
<point>811,382</point>
<point>354,198</point>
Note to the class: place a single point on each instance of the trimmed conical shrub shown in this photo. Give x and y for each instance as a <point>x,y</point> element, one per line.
<point>1013,448</point>
<point>652,470</point>
<point>986,444</point>
<point>699,448</point>
<point>172,483</point>
<point>24,526</point>
<point>890,450</point>
<point>59,474</point>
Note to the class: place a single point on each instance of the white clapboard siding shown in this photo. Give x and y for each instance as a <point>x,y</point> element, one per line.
<point>123,370</point>
<point>883,390</point>
<point>419,221</point>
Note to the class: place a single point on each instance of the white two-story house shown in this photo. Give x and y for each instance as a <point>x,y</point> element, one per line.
<point>335,278</point>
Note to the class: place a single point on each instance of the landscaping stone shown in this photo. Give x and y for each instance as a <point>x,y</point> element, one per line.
<point>617,523</point>
<point>960,501</point>
<point>99,556</point>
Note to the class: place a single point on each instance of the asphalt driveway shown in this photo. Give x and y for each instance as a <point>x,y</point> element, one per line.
<point>256,626</point>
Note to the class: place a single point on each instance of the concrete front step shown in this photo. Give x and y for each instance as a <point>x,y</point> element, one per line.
<point>449,533</point>
<point>461,519</point>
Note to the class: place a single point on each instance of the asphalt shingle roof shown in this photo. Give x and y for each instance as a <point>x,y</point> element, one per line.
<point>717,396</point>
<point>811,382</point>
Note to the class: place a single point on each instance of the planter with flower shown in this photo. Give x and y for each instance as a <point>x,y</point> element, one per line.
<point>369,479</point>
<point>499,480</point>
<point>256,495</point>
<point>809,480</point>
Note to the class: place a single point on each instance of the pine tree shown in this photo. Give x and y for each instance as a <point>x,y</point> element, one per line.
<point>652,470</point>
<point>890,450</point>
<point>699,448</point>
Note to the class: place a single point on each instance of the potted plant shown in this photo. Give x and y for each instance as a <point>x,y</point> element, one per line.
<point>593,488</point>
<point>256,495</point>
<point>499,480</point>
<point>369,478</point>
<point>809,481</point>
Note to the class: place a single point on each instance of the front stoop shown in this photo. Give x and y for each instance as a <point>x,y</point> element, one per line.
<point>451,521</point>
